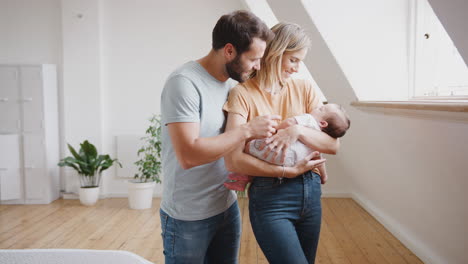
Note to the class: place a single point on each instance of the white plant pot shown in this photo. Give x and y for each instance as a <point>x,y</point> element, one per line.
<point>89,196</point>
<point>140,194</point>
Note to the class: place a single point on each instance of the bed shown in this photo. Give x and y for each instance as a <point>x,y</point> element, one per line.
<point>69,256</point>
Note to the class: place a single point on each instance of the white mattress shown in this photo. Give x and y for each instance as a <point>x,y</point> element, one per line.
<point>69,256</point>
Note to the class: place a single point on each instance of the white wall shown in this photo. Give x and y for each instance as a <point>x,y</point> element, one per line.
<point>408,168</point>
<point>143,41</point>
<point>82,79</point>
<point>116,56</point>
<point>31,33</point>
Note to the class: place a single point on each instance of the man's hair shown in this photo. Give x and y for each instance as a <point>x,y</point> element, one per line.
<point>239,28</point>
<point>338,123</point>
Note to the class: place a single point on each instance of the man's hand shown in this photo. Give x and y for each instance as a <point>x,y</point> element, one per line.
<point>262,126</point>
<point>310,162</point>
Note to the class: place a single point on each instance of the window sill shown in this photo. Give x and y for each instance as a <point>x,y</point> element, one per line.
<point>447,106</point>
<point>431,110</point>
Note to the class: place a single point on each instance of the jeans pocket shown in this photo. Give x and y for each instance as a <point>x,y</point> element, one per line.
<point>317,183</point>
<point>316,178</point>
<point>167,235</point>
<point>164,219</point>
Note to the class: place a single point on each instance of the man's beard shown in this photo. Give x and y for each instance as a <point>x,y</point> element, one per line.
<point>234,69</point>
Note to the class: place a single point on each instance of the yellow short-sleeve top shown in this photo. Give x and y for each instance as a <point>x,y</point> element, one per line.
<point>249,100</point>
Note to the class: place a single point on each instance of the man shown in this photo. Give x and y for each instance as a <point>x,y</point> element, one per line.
<point>200,219</point>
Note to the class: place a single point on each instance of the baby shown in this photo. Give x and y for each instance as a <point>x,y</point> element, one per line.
<point>330,118</point>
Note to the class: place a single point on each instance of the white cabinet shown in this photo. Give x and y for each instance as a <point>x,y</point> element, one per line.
<point>9,97</point>
<point>10,180</point>
<point>29,110</point>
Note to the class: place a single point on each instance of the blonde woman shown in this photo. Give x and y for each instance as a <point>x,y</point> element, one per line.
<point>285,208</point>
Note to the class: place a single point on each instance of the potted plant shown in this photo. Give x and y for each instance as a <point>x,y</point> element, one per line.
<point>140,189</point>
<point>89,166</point>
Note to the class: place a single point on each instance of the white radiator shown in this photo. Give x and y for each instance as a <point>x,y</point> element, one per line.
<point>127,148</point>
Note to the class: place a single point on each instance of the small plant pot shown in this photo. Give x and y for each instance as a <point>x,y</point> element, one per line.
<point>140,194</point>
<point>89,195</point>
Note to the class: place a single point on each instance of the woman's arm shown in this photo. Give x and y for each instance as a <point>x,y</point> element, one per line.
<point>316,140</point>
<point>240,162</point>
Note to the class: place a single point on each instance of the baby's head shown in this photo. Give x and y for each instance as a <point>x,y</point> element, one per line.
<point>332,119</point>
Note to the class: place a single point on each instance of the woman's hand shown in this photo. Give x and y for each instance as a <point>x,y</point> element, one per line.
<point>313,160</point>
<point>280,142</point>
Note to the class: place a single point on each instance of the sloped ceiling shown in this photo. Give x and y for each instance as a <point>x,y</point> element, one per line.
<point>320,60</point>
<point>452,14</point>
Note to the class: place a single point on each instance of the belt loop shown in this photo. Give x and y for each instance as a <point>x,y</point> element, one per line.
<point>282,176</point>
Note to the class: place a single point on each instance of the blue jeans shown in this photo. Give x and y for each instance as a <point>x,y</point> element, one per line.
<point>286,216</point>
<point>212,240</point>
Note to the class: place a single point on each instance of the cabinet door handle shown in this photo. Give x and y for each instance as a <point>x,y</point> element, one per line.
<point>29,99</point>
<point>4,99</point>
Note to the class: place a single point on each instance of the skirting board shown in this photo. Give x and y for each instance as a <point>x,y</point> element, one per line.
<point>336,195</point>
<point>158,195</point>
<point>404,235</point>
<point>74,196</point>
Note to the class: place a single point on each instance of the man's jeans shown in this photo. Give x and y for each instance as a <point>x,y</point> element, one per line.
<point>212,240</point>
<point>285,216</point>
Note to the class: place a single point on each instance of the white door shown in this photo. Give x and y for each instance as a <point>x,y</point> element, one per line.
<point>9,105</point>
<point>10,184</point>
<point>35,183</point>
<point>31,84</point>
<point>35,172</point>
<point>10,172</point>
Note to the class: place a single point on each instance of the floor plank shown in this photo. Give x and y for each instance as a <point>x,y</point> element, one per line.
<point>392,240</point>
<point>349,235</point>
<point>343,236</point>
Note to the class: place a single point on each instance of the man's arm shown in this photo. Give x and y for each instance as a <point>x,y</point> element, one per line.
<point>240,162</point>
<point>192,150</point>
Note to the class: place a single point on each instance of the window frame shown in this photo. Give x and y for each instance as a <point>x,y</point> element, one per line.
<point>415,28</point>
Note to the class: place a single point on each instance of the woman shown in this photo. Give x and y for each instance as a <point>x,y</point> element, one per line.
<point>285,208</point>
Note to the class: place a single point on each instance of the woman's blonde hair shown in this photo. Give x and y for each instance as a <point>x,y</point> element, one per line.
<point>289,37</point>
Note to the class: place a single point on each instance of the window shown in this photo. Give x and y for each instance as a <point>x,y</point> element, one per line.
<point>439,71</point>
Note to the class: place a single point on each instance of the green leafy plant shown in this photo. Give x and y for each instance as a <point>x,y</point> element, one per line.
<point>149,164</point>
<point>88,164</point>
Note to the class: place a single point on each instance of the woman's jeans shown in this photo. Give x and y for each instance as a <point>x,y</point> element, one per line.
<point>285,216</point>
<point>212,240</point>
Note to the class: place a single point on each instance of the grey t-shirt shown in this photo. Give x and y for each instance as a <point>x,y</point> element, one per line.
<point>191,94</point>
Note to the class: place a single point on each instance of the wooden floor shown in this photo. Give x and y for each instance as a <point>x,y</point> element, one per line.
<point>349,234</point>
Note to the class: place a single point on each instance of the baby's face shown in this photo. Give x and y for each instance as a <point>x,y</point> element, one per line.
<point>324,110</point>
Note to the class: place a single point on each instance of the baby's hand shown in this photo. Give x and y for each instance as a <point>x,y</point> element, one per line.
<point>287,123</point>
